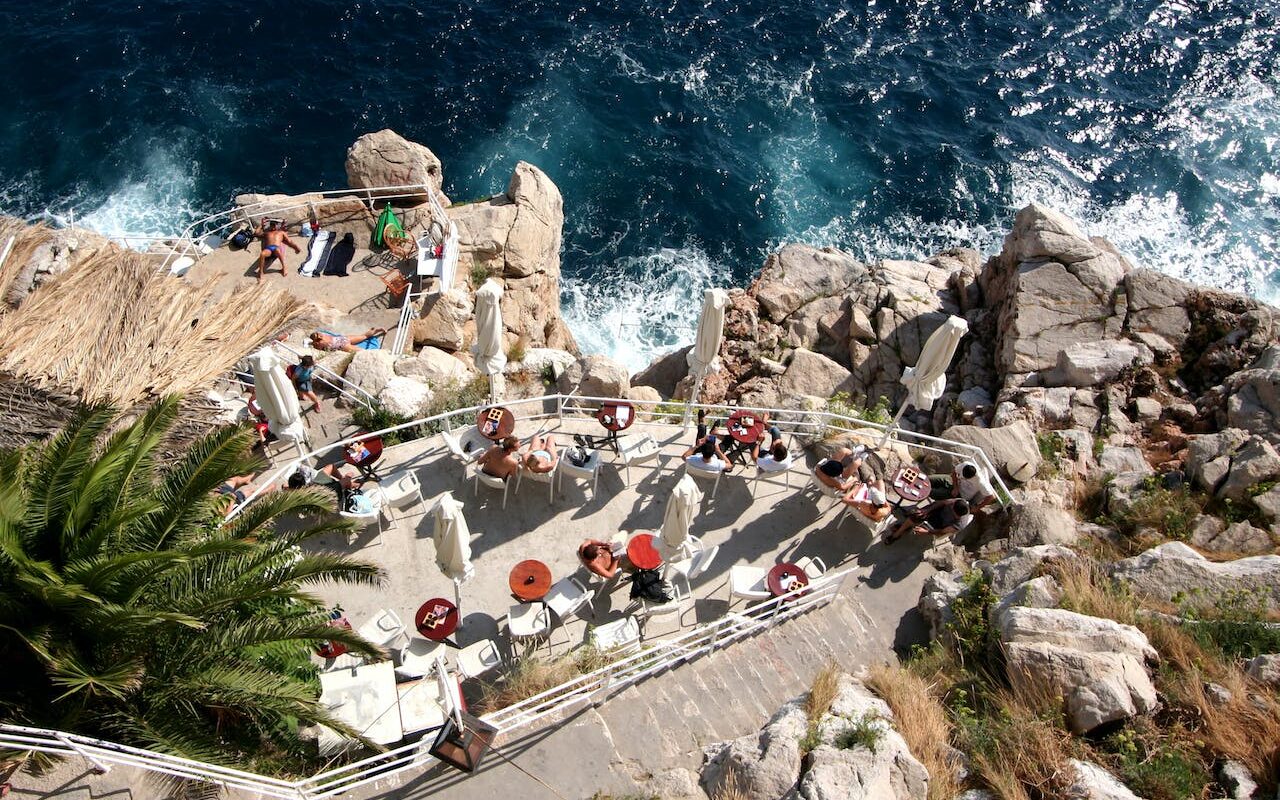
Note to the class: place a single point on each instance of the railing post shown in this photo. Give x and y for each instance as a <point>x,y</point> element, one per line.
<point>99,768</point>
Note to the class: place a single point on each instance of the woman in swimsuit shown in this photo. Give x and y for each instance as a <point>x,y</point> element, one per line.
<point>541,456</point>
<point>327,341</point>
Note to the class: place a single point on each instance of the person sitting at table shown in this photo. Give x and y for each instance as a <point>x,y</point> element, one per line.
<point>335,341</point>
<point>501,461</point>
<point>967,482</point>
<point>862,470</point>
<point>306,475</point>
<point>598,558</point>
<point>776,460</point>
<point>708,457</point>
<point>541,455</point>
<point>940,518</point>
<point>872,503</point>
<point>775,436</point>
<point>831,471</point>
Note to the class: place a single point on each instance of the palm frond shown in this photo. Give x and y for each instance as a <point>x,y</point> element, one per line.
<point>210,462</point>
<point>53,481</point>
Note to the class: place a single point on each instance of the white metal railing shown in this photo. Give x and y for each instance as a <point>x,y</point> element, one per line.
<point>189,240</point>
<point>333,380</point>
<point>449,256</point>
<point>655,656</point>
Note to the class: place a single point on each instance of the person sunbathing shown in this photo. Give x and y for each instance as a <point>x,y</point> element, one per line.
<point>274,240</point>
<point>336,341</point>
<point>500,461</point>
<point>598,557</point>
<point>233,490</point>
<point>541,455</point>
<point>872,503</point>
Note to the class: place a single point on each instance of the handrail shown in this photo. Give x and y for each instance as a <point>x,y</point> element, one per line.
<point>329,377</point>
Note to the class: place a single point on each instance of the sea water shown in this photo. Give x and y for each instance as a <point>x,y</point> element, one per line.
<point>688,139</point>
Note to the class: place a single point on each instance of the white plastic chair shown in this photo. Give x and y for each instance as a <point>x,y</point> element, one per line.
<point>492,481</point>
<point>476,659</point>
<point>588,471</point>
<point>749,583</point>
<point>528,622</point>
<point>695,566</point>
<point>375,515</point>
<point>636,450</point>
<point>705,472</point>
<point>418,658</point>
<point>549,478</point>
<point>621,634</point>
<point>813,567</point>
<point>567,595</point>
<point>458,445</point>
<point>399,490</point>
<point>765,465</point>
<point>681,594</point>
<point>823,490</point>
<point>384,629</point>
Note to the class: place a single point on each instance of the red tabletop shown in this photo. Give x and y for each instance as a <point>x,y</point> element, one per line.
<point>616,416</point>
<point>642,553</point>
<point>334,649</point>
<point>780,573</point>
<point>495,422</point>
<point>530,580</point>
<point>746,426</point>
<point>436,619</point>
<point>364,452</point>
<point>911,484</point>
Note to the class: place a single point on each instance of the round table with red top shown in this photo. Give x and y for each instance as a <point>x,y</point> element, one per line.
<point>780,573</point>
<point>436,619</point>
<point>530,580</point>
<point>495,422</point>
<point>911,484</point>
<point>363,454</point>
<point>745,426</point>
<point>641,552</point>
<point>331,649</point>
<point>613,417</point>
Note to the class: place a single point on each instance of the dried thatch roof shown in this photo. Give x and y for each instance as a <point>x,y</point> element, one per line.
<point>112,329</point>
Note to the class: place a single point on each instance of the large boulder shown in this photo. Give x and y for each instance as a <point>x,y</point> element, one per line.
<point>595,376</point>
<point>341,215</point>
<point>765,764</point>
<point>1157,305</point>
<point>435,367</point>
<point>1209,456</point>
<point>1094,363</point>
<point>543,359</point>
<point>1034,523</point>
<point>371,370</point>
<point>665,371</point>
<point>1091,782</point>
<point>1021,564</point>
<point>798,274</point>
<point>1174,569</point>
<point>814,374</point>
<point>937,596</point>
<point>885,771</point>
<point>1098,666</point>
<point>533,243</point>
<point>1265,669</point>
<point>405,397</point>
<point>1254,462</point>
<point>385,158</point>
<point>443,320</point>
<point>1239,537</point>
<point>1254,400</point>
<point>1012,448</point>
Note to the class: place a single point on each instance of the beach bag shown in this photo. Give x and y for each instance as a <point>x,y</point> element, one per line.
<point>578,456</point>
<point>647,584</point>
<point>240,240</point>
<point>354,501</point>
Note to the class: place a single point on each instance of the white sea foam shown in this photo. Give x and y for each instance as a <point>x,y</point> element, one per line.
<point>156,200</point>
<point>640,307</point>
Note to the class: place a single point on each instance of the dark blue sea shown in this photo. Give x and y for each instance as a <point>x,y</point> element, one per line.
<point>688,139</point>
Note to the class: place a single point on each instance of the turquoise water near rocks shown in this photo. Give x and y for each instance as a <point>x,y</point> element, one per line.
<point>688,139</point>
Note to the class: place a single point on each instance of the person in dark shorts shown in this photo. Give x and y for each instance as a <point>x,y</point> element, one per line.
<point>233,490</point>
<point>274,240</point>
<point>940,518</point>
<point>302,377</point>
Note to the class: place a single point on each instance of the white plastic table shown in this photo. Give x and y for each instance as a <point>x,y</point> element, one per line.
<point>365,698</point>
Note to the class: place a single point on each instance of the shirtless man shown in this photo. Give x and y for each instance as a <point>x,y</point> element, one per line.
<point>501,460</point>
<point>274,240</point>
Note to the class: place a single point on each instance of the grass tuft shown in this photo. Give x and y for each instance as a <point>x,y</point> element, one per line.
<point>922,720</point>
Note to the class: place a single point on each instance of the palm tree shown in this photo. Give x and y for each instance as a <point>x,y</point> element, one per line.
<point>130,609</point>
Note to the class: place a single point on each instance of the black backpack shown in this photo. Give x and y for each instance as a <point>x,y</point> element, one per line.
<point>647,584</point>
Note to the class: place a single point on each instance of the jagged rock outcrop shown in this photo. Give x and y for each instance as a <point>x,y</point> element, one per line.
<point>594,376</point>
<point>1175,570</point>
<point>1091,782</point>
<point>385,158</point>
<point>759,765</point>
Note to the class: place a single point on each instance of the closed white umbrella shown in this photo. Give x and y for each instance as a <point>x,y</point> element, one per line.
<point>704,358</point>
<point>489,356</point>
<point>927,380</point>
<point>276,395</point>
<point>453,543</point>
<point>685,500</point>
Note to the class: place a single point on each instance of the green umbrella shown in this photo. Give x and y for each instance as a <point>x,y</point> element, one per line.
<point>387,217</point>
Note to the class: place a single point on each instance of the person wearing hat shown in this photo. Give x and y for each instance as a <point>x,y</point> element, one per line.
<point>872,503</point>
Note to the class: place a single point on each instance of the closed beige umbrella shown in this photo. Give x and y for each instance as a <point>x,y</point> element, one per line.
<point>927,380</point>
<point>685,500</point>
<point>276,396</point>
<point>489,355</point>
<point>452,538</point>
<point>704,357</point>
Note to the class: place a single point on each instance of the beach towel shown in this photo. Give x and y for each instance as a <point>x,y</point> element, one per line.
<point>340,256</point>
<point>320,243</point>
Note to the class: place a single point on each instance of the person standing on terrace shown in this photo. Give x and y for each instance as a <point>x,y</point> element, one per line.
<point>274,240</point>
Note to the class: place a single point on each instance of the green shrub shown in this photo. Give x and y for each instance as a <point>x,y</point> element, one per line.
<point>446,398</point>
<point>864,732</point>
<point>1172,512</point>
<point>479,274</point>
<point>841,403</point>
<point>377,418</point>
<point>970,628</point>
<point>1235,626</point>
<point>1050,445</point>
<point>1156,767</point>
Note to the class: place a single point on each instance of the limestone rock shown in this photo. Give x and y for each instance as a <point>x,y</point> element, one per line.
<point>341,215</point>
<point>1035,523</point>
<point>798,274</point>
<point>406,397</point>
<point>1240,537</point>
<point>1157,305</point>
<point>1092,782</point>
<point>533,243</point>
<point>443,320</point>
<point>1265,668</point>
<point>1123,459</point>
<point>1235,778</point>
<point>813,373</point>
<point>1012,448</point>
<point>595,376</point>
<point>765,764</point>
<point>1125,488</point>
<point>1043,234</point>
<point>1254,401</point>
<point>948,557</point>
<point>1252,463</point>
<point>1269,503</point>
<point>1021,564</point>
<point>1093,363</point>
<point>540,359</point>
<point>371,369</point>
<point>939,592</point>
<point>1174,568</point>
<point>385,158</point>
<point>1212,449</point>
<point>665,371</point>
<point>887,772</point>
<point>1068,629</point>
<point>435,367</point>
<point>644,394</point>
<point>1041,592</point>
